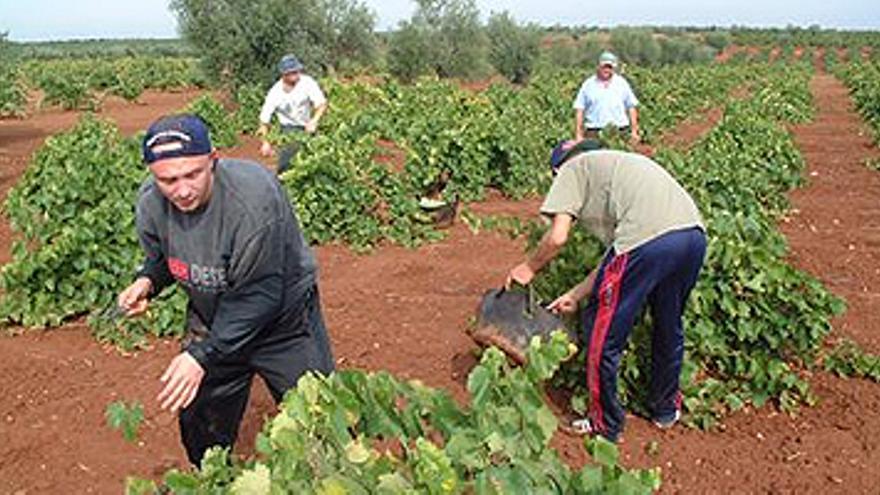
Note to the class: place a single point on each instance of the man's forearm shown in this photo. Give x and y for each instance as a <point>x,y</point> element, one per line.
<point>583,289</point>
<point>546,251</point>
<point>579,125</point>
<point>551,243</point>
<point>263,131</point>
<point>319,112</point>
<point>634,119</point>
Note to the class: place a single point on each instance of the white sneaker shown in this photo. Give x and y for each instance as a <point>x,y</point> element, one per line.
<point>582,427</point>
<point>665,425</point>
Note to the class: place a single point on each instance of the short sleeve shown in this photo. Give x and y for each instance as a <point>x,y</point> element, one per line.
<point>317,96</point>
<point>269,106</point>
<point>567,194</point>
<point>580,100</point>
<point>629,97</point>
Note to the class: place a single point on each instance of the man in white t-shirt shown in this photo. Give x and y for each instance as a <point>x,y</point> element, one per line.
<point>606,99</point>
<point>298,102</point>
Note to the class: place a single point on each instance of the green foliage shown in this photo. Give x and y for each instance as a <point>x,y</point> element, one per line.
<point>358,432</point>
<point>124,417</point>
<point>12,92</point>
<point>718,40</point>
<point>242,42</point>
<point>812,36</point>
<point>848,359</point>
<point>69,92</point>
<point>83,83</point>
<point>74,209</point>
<point>104,48</point>
<point>636,46</point>
<point>444,38</point>
<point>221,122</point>
<point>863,81</point>
<point>13,96</point>
<point>513,48</point>
<point>409,55</point>
<point>682,50</point>
<point>341,188</point>
<point>641,46</point>
<point>249,101</point>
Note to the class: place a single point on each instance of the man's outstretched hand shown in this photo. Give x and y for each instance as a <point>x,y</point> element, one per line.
<point>135,298</point>
<point>182,380</point>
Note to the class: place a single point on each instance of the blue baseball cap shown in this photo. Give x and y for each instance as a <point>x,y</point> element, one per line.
<point>289,63</point>
<point>568,148</point>
<point>560,153</point>
<point>174,136</point>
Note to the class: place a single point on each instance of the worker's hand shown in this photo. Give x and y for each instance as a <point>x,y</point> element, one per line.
<point>134,299</point>
<point>565,304</point>
<point>266,149</point>
<point>182,380</point>
<point>635,137</point>
<point>521,274</point>
<point>311,127</point>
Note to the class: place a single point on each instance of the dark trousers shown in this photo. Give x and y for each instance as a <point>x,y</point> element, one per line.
<point>288,151</point>
<point>662,273</point>
<point>286,353</point>
<point>594,133</point>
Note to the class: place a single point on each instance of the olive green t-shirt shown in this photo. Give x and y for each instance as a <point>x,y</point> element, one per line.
<point>623,198</point>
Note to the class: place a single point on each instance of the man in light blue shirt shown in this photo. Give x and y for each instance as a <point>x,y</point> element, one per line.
<point>606,99</point>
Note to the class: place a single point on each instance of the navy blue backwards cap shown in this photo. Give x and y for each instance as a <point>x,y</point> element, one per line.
<point>174,136</point>
<point>567,148</point>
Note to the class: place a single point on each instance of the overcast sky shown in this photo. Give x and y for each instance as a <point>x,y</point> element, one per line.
<point>59,19</point>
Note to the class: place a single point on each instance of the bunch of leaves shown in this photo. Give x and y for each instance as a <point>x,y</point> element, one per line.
<point>789,98</point>
<point>863,81</point>
<point>126,418</point>
<point>71,93</point>
<point>848,359</point>
<point>12,91</point>
<point>78,248</point>
<point>358,432</point>
<point>221,123</point>
<point>131,80</point>
<point>249,101</point>
<point>753,320</point>
<point>13,95</point>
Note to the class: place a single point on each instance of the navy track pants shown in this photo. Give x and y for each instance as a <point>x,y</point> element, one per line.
<point>662,273</point>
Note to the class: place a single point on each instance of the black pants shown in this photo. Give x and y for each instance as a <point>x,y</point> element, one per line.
<point>294,347</point>
<point>594,133</point>
<point>288,151</point>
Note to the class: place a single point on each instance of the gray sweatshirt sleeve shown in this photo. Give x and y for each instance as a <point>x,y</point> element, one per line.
<point>155,266</point>
<point>253,300</point>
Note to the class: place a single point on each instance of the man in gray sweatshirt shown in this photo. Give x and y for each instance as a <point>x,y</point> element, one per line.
<point>224,230</point>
